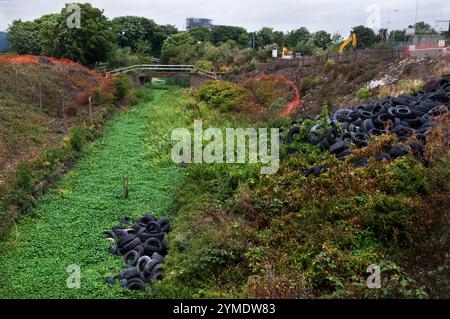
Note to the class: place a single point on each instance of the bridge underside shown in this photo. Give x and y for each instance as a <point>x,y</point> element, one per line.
<point>139,79</point>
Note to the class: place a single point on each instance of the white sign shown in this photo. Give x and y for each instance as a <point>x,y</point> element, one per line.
<point>441,43</point>
<point>412,48</point>
<point>274,53</point>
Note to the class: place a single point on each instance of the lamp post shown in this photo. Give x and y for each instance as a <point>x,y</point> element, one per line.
<point>389,24</point>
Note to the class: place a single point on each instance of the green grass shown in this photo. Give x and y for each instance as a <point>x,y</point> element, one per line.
<point>67,224</point>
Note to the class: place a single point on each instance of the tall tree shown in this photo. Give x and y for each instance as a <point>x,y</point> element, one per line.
<point>199,34</point>
<point>131,31</point>
<point>91,43</point>
<point>295,36</point>
<point>366,36</point>
<point>222,33</point>
<point>23,37</point>
<point>178,49</point>
<point>264,37</point>
<point>47,27</point>
<point>322,39</point>
<point>162,32</point>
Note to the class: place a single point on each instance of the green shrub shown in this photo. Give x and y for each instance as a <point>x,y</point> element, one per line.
<point>77,139</point>
<point>329,65</point>
<point>409,86</point>
<point>21,192</point>
<point>222,95</point>
<point>204,65</point>
<point>142,95</point>
<point>391,218</point>
<point>121,88</point>
<point>24,177</point>
<point>309,83</point>
<point>363,94</point>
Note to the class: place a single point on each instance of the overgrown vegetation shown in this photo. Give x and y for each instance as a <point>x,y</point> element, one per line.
<point>36,135</point>
<point>240,234</point>
<point>66,224</point>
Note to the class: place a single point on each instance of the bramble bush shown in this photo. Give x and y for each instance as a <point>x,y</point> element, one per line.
<point>293,236</point>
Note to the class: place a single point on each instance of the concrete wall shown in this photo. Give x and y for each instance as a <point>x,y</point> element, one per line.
<point>431,53</point>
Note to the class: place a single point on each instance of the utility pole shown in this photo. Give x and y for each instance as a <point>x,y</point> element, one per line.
<point>417,14</point>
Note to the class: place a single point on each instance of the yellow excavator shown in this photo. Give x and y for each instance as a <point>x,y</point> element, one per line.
<point>352,39</point>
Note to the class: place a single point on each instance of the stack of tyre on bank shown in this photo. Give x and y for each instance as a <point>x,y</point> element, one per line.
<point>142,247</point>
<point>405,115</point>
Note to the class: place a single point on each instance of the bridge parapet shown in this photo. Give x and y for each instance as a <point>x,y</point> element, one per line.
<point>164,69</point>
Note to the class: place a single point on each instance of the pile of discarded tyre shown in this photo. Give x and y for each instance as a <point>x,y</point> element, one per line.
<point>143,246</point>
<point>406,115</point>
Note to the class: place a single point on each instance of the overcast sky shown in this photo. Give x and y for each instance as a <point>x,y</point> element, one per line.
<point>284,15</point>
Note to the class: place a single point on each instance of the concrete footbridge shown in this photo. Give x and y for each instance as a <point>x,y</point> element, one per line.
<point>139,74</point>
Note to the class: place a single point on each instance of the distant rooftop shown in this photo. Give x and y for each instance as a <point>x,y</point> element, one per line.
<point>198,22</point>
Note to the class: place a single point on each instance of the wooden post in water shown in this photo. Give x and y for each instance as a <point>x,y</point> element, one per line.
<point>125,187</point>
<point>90,109</point>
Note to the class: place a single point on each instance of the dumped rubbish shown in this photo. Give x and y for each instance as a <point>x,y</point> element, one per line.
<point>405,115</point>
<point>143,248</point>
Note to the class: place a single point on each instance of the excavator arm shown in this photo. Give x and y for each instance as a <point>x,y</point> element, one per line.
<point>351,39</point>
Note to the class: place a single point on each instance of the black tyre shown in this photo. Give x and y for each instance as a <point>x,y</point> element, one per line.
<point>402,112</point>
<point>114,251</point>
<point>383,120</point>
<point>139,225</point>
<point>365,115</point>
<point>153,228</point>
<point>376,132</point>
<point>144,237</point>
<point>125,240</point>
<point>142,262</point>
<point>148,269</point>
<point>110,281</point>
<point>158,257</point>
<point>291,150</point>
<point>292,132</point>
<point>111,234</point>
<point>165,225</point>
<point>363,162</point>
<point>367,125</point>
<point>152,245</point>
<point>131,258</point>
<point>359,139</point>
<point>139,249</point>
<point>398,151</point>
<point>313,139</point>
<point>130,246</point>
<point>136,284</point>
<point>338,147</point>
<point>402,130</point>
<point>383,157</point>
<point>131,272</point>
<point>148,218</point>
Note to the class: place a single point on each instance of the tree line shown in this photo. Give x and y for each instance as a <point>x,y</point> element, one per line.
<point>130,39</point>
